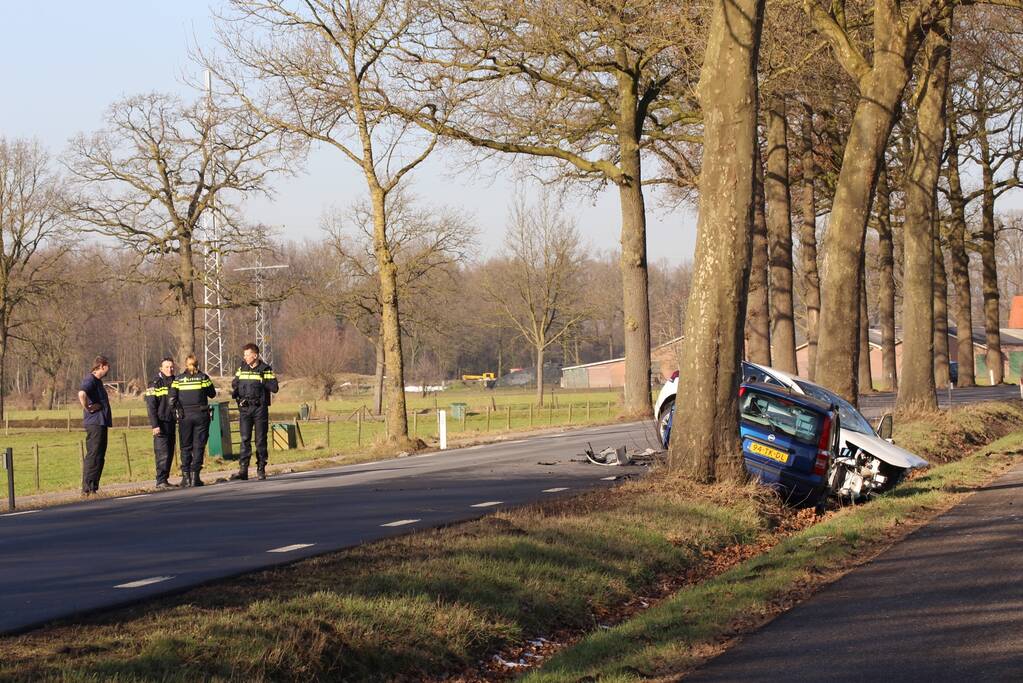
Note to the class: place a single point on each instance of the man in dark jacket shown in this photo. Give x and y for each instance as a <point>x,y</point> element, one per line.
<point>252,386</point>
<point>97,419</point>
<point>162,420</point>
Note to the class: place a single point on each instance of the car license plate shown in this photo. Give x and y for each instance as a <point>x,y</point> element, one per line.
<point>768,452</point>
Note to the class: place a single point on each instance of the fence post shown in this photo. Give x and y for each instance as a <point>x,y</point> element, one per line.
<point>415,423</point>
<point>530,414</point>
<point>569,413</point>
<point>609,408</point>
<point>328,431</point>
<point>550,414</point>
<point>81,451</point>
<point>127,457</point>
<point>587,410</point>
<point>9,466</point>
<point>488,418</point>
<point>509,418</point>
<point>358,433</point>
<point>465,412</point>
<point>129,418</point>
<point>36,450</point>
<point>69,420</point>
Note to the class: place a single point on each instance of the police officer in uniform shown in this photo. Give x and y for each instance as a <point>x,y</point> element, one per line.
<point>190,395</point>
<point>161,419</point>
<point>252,385</point>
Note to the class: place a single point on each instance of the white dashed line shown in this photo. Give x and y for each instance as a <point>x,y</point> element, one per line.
<point>557,490</point>
<point>144,582</point>
<point>137,495</point>
<point>289,548</point>
<point>401,522</point>
<point>15,514</point>
<point>489,503</point>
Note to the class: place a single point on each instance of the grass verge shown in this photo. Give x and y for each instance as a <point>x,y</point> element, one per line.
<point>442,603</point>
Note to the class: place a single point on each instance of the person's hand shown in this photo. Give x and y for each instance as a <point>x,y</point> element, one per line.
<point>156,431</point>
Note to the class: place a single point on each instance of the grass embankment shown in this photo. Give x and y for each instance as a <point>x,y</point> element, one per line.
<point>344,439</point>
<point>437,603</point>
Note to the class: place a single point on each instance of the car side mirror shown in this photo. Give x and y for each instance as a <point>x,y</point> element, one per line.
<point>884,427</point>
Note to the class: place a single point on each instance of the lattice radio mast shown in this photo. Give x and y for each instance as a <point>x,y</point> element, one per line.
<point>213,319</point>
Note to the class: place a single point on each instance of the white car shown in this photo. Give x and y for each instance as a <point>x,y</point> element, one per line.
<point>869,462</point>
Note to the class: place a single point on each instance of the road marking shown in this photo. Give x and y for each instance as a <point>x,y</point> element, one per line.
<point>489,503</point>
<point>608,478</point>
<point>289,548</point>
<point>557,490</point>
<point>144,582</point>
<point>137,495</point>
<point>401,522</point>
<point>15,514</point>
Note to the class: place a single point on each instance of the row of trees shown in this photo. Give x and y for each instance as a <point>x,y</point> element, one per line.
<point>880,134</point>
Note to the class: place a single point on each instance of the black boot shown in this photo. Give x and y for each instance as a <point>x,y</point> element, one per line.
<point>196,481</point>
<point>186,479</point>
<point>261,472</point>
<point>242,475</point>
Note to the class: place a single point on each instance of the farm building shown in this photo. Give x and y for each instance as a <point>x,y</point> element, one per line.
<point>606,374</point>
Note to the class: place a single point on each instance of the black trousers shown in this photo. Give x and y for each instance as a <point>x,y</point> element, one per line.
<point>194,428</point>
<point>95,456</point>
<point>253,418</point>
<point>163,449</point>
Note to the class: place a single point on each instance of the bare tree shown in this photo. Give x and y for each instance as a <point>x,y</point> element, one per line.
<point>331,72</point>
<point>33,238</point>
<point>917,389</point>
<point>538,287</point>
<point>758,313</point>
<point>155,174</point>
<point>587,87</point>
<point>318,354</point>
<point>708,447</point>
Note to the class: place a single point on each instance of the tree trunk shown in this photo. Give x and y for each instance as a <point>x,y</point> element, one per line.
<point>635,301</point>
<point>378,378</point>
<point>539,375</point>
<point>941,370</point>
<point>840,285</point>
<point>989,266</point>
<point>708,448</point>
<point>3,371</point>
<point>186,300</point>
<point>758,319</point>
<point>779,240</point>
<point>390,328</point>
<point>916,389</point>
<point>808,244</point>
<point>866,379</point>
<point>886,282</point>
<point>960,261</point>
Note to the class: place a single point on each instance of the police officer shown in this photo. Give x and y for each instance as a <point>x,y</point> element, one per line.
<point>190,395</point>
<point>97,420</point>
<point>252,385</point>
<point>161,419</point>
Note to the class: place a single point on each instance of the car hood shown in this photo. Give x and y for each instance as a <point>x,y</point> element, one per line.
<point>881,449</point>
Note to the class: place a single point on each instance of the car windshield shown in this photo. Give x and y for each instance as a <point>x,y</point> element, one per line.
<point>850,417</point>
<point>780,415</point>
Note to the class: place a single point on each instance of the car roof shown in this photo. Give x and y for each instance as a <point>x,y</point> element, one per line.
<point>780,392</point>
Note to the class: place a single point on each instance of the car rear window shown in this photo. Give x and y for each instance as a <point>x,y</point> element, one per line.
<point>780,415</point>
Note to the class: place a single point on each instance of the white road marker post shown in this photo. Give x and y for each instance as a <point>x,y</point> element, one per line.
<point>442,428</point>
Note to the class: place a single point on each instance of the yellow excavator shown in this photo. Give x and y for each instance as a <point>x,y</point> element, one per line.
<point>485,376</point>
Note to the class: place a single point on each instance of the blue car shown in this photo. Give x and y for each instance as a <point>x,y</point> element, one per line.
<point>788,441</point>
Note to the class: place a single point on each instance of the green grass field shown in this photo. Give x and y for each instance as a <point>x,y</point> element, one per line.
<point>49,459</point>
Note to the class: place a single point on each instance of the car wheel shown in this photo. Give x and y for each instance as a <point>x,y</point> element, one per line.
<point>664,421</point>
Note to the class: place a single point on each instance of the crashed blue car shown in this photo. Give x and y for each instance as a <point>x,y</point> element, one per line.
<point>788,441</point>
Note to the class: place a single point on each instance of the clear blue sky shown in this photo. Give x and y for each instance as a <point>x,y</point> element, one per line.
<point>65,61</point>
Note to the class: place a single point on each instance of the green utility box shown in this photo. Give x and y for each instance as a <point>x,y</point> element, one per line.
<point>220,431</point>
<point>285,436</point>
<point>458,410</point>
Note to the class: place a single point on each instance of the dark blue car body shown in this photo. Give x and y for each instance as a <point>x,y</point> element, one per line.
<point>788,441</point>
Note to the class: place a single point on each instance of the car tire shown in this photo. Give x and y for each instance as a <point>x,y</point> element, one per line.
<point>662,420</point>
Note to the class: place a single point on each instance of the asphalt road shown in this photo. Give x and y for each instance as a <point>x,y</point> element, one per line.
<point>876,404</point>
<point>62,561</point>
<point>946,604</point>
